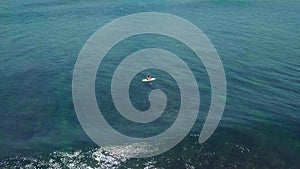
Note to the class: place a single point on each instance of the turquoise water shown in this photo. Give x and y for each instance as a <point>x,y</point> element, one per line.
<point>257,41</point>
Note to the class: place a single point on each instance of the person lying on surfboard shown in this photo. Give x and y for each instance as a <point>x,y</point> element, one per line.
<point>148,77</point>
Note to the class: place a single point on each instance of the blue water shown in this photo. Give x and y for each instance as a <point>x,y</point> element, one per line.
<point>258,43</point>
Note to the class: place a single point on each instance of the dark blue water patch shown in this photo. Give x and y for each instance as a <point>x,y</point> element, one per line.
<point>39,112</point>
<point>221,151</point>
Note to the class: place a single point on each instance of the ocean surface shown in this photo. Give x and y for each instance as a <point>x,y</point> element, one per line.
<point>258,43</point>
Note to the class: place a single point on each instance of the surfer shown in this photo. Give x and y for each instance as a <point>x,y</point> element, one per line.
<point>148,79</point>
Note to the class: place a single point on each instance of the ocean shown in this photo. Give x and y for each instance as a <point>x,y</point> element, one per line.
<point>258,43</point>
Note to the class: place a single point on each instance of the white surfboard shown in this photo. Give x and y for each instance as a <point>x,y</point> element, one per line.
<point>150,80</point>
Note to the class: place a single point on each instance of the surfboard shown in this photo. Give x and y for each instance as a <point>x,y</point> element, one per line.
<point>150,80</point>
